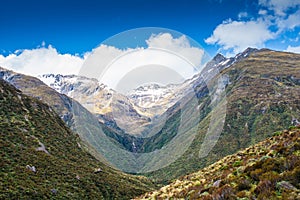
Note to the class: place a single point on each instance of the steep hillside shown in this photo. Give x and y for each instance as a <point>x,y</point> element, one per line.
<point>36,88</point>
<point>78,118</point>
<point>109,106</point>
<point>42,159</point>
<point>267,170</point>
<point>262,95</point>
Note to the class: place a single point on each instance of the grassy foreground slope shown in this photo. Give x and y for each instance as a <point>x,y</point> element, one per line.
<point>42,159</point>
<point>267,170</point>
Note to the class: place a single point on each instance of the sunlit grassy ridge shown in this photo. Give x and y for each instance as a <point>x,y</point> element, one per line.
<point>42,159</point>
<point>267,170</point>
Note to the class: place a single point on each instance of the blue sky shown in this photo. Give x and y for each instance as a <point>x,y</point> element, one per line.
<point>76,27</point>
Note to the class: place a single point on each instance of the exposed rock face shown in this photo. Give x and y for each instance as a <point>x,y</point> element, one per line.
<point>141,108</point>
<point>111,108</point>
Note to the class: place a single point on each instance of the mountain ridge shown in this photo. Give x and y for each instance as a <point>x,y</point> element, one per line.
<point>145,105</point>
<point>262,93</point>
<point>42,158</point>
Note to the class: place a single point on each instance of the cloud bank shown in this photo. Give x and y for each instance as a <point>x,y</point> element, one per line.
<point>176,55</point>
<point>41,60</point>
<point>162,49</point>
<point>293,49</point>
<point>240,35</point>
<point>273,18</point>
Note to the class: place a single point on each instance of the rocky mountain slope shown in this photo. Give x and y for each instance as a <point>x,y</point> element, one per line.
<point>109,106</point>
<point>104,142</point>
<point>34,87</point>
<point>143,110</point>
<point>262,94</point>
<point>78,118</point>
<point>267,170</point>
<point>41,158</point>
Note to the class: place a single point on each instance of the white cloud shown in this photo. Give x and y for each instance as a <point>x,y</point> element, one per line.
<point>98,60</point>
<point>172,54</point>
<point>293,49</point>
<point>144,59</point>
<point>41,60</point>
<point>274,18</point>
<point>240,35</point>
<point>279,6</point>
<point>262,12</point>
<point>291,22</point>
<point>43,44</point>
<point>110,64</point>
<point>181,46</point>
<point>242,15</point>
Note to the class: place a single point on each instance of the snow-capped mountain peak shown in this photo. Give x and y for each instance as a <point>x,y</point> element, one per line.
<point>141,106</point>
<point>150,95</point>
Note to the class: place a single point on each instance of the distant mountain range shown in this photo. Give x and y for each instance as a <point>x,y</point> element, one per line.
<point>141,108</point>
<point>251,95</point>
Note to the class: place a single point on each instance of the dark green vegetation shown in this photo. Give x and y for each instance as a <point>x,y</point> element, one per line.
<point>148,144</point>
<point>263,95</point>
<point>78,118</point>
<point>267,170</point>
<point>42,159</point>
